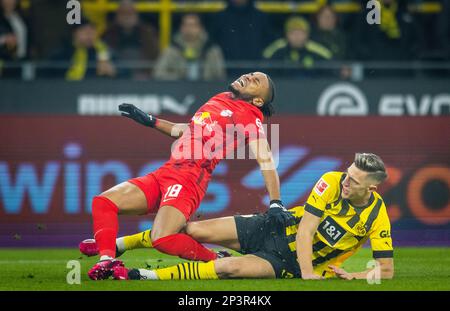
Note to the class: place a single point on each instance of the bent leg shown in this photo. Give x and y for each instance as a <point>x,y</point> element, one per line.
<point>124,198</point>
<point>168,220</point>
<point>220,231</point>
<point>166,238</point>
<point>248,266</point>
<point>129,198</point>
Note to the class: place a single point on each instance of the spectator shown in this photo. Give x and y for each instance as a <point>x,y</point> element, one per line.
<point>433,30</point>
<point>392,39</point>
<point>132,40</point>
<point>13,32</point>
<point>84,49</point>
<point>191,56</point>
<point>242,31</point>
<point>48,27</point>
<point>328,34</point>
<point>13,37</point>
<point>296,48</point>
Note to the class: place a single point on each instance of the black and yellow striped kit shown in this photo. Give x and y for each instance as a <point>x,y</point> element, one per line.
<point>343,228</point>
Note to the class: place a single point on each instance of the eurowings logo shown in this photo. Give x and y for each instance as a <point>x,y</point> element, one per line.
<point>294,184</point>
<point>80,182</point>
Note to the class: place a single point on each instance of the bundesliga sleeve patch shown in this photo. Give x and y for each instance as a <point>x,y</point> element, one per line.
<point>320,187</point>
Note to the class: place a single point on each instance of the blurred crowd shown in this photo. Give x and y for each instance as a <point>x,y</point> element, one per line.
<point>209,46</point>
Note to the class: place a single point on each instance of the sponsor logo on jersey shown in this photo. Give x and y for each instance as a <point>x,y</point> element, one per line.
<point>385,234</point>
<point>204,119</point>
<point>320,187</point>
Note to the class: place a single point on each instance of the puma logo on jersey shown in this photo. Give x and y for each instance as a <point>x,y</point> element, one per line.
<point>286,275</point>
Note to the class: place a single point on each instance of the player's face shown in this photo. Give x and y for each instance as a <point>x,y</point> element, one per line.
<point>250,86</point>
<point>356,185</point>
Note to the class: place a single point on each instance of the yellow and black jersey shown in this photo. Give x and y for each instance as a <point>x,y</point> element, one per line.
<point>343,228</point>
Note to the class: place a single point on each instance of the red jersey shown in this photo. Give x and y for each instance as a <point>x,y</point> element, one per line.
<point>215,132</point>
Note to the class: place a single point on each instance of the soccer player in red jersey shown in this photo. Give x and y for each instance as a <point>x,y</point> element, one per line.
<point>174,191</point>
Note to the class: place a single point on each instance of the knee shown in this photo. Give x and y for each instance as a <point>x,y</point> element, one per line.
<point>110,195</point>
<point>156,234</point>
<point>119,195</point>
<point>228,268</point>
<point>101,203</point>
<point>197,232</point>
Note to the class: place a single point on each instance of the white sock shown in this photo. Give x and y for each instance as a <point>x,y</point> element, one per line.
<point>120,243</point>
<point>105,257</point>
<point>148,274</point>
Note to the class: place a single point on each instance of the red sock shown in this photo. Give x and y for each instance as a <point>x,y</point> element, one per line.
<point>184,246</point>
<point>106,225</point>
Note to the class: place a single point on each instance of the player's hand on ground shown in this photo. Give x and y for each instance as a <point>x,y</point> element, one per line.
<point>136,114</point>
<point>311,276</point>
<point>341,273</point>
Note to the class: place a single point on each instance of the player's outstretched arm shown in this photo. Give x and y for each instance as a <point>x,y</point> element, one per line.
<point>304,240</point>
<point>168,128</point>
<point>261,151</point>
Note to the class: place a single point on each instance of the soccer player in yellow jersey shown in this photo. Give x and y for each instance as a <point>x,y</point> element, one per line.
<point>342,212</point>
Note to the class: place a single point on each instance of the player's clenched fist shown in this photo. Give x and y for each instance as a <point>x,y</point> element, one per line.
<point>133,112</point>
<point>278,212</point>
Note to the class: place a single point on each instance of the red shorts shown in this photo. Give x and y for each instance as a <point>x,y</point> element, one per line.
<point>167,187</point>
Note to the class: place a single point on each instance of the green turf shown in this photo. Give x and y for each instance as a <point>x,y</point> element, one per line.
<point>45,269</point>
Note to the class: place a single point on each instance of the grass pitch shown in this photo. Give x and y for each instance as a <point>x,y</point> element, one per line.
<point>46,269</point>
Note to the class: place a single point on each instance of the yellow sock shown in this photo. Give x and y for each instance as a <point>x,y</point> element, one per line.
<point>188,271</point>
<point>138,240</point>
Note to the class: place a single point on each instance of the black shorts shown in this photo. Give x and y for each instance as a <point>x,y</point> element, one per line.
<point>260,236</point>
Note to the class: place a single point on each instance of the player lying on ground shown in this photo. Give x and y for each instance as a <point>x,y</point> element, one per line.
<point>342,212</point>
<point>175,190</point>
